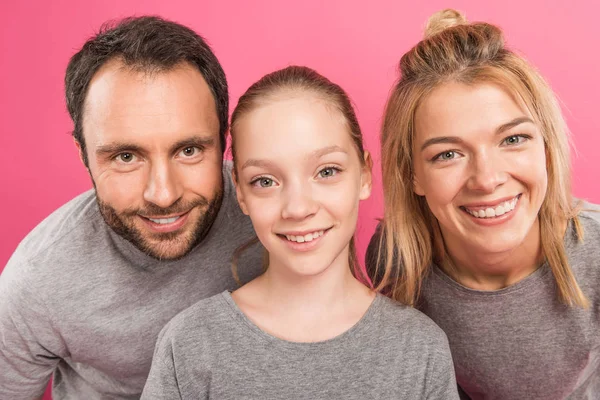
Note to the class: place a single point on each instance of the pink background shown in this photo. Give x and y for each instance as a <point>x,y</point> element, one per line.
<point>356,44</point>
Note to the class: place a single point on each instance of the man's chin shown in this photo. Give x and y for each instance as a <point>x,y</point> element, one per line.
<point>167,250</point>
<point>164,245</point>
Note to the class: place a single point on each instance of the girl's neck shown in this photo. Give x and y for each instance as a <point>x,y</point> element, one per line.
<point>305,308</point>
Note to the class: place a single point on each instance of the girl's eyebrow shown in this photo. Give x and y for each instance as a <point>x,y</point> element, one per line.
<point>326,150</point>
<point>253,162</point>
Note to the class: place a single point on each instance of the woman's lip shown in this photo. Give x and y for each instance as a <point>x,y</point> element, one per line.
<point>497,220</point>
<point>490,204</point>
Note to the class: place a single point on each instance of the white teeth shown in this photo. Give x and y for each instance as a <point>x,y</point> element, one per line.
<point>309,237</point>
<point>499,210</point>
<point>164,220</point>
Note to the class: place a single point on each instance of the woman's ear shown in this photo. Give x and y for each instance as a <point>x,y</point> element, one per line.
<point>417,188</point>
<point>366,177</point>
<point>238,192</point>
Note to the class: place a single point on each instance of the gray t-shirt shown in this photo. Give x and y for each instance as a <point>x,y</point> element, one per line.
<point>78,300</point>
<point>213,351</point>
<point>520,342</point>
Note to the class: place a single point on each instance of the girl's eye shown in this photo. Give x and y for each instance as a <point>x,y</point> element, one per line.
<point>328,172</point>
<point>263,182</point>
<point>445,156</point>
<point>125,157</point>
<point>514,140</point>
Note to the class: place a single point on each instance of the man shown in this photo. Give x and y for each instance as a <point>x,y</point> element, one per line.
<point>86,293</point>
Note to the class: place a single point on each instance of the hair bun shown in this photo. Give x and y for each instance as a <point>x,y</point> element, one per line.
<point>442,20</point>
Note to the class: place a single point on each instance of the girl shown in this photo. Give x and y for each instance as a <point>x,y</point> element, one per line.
<point>480,230</point>
<point>307,328</point>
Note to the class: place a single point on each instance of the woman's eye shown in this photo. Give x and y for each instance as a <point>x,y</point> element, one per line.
<point>514,139</point>
<point>445,156</point>
<point>328,172</point>
<point>125,157</point>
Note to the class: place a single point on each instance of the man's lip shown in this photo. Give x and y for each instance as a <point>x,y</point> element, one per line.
<point>180,221</point>
<point>491,204</point>
<point>165,216</point>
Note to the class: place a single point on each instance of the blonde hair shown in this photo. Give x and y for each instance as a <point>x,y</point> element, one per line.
<point>454,50</point>
<point>289,82</point>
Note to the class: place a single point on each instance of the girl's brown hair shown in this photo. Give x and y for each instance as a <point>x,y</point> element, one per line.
<point>290,82</point>
<point>456,51</point>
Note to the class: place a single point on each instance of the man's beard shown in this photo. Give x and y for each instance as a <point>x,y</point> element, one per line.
<point>162,245</point>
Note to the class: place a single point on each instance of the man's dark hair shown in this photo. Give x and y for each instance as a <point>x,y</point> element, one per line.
<point>148,44</point>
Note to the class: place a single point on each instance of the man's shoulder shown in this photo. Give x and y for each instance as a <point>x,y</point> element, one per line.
<point>66,228</point>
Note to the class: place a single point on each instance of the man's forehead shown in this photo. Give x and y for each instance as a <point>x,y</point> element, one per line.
<point>122,101</point>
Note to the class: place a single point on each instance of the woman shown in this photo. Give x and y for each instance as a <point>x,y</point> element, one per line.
<point>480,229</point>
<point>307,328</point>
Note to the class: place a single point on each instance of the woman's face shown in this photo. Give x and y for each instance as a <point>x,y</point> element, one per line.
<point>479,161</point>
<point>300,179</point>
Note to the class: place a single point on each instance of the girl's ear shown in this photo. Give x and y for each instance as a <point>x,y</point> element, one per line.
<point>238,192</point>
<point>366,177</point>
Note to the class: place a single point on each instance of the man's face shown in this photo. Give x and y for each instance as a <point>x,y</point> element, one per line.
<point>152,141</point>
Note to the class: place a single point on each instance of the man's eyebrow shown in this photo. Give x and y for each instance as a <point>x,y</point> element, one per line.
<point>115,148</point>
<point>194,141</point>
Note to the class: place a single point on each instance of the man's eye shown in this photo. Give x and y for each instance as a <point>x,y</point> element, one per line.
<point>125,157</point>
<point>190,151</point>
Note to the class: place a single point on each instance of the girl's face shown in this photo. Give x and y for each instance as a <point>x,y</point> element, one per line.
<point>479,160</point>
<point>300,179</point>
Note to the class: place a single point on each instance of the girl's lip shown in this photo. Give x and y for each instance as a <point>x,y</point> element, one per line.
<point>304,246</point>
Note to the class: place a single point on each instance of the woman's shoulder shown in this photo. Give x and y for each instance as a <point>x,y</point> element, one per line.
<point>410,321</point>
<point>590,214</point>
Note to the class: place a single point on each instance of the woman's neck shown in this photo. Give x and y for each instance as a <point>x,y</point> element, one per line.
<point>482,270</point>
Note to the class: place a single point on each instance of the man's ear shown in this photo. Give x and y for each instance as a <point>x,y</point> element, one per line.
<point>82,156</point>
<point>366,177</point>
<point>238,192</point>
